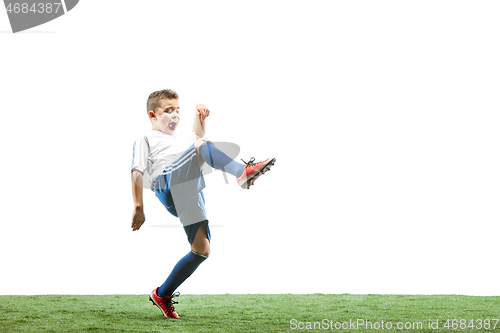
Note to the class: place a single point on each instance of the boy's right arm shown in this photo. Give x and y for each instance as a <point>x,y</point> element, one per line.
<point>138,217</point>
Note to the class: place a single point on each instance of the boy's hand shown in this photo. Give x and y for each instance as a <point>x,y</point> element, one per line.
<point>202,111</point>
<point>138,218</point>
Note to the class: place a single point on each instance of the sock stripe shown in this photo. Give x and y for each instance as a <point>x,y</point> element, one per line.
<point>199,254</point>
<point>207,143</point>
<point>210,153</point>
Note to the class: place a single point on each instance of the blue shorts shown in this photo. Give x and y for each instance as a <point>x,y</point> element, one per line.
<point>192,229</point>
<point>179,189</point>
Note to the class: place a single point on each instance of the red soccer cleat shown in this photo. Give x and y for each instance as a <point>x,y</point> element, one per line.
<point>166,304</point>
<point>253,170</point>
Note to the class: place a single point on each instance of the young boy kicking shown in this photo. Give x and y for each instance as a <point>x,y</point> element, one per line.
<point>174,162</point>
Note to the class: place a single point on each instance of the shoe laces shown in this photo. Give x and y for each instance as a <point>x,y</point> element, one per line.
<point>249,163</point>
<point>172,302</point>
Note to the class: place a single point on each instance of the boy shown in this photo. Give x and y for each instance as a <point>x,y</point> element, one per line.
<point>174,162</point>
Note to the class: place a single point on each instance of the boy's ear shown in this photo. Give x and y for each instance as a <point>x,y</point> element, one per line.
<point>151,114</point>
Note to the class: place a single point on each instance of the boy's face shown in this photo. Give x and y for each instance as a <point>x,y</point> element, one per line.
<point>167,116</point>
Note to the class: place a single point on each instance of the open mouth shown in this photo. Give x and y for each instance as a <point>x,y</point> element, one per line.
<point>172,126</point>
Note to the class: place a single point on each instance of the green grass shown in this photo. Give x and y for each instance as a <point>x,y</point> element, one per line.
<point>242,313</point>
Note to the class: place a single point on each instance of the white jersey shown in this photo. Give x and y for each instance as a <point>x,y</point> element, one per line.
<point>156,150</point>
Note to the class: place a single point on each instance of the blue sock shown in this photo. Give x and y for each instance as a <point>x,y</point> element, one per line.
<point>182,270</point>
<point>220,161</point>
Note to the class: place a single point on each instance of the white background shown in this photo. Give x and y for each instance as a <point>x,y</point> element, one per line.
<point>383,117</point>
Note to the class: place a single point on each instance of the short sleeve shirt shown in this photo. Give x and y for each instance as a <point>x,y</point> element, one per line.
<point>155,150</point>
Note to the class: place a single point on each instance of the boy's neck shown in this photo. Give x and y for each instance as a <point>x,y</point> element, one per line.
<point>155,129</point>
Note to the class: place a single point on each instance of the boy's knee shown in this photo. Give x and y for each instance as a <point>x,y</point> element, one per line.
<point>201,244</point>
<point>198,143</point>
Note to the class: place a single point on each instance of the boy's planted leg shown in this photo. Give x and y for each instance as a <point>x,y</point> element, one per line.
<point>200,250</point>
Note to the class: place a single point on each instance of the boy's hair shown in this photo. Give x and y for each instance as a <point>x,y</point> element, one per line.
<point>154,98</point>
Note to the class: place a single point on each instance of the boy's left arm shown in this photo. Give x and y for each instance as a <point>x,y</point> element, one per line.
<point>202,112</point>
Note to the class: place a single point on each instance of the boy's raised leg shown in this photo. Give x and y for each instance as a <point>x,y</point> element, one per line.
<point>216,158</point>
<point>246,174</point>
